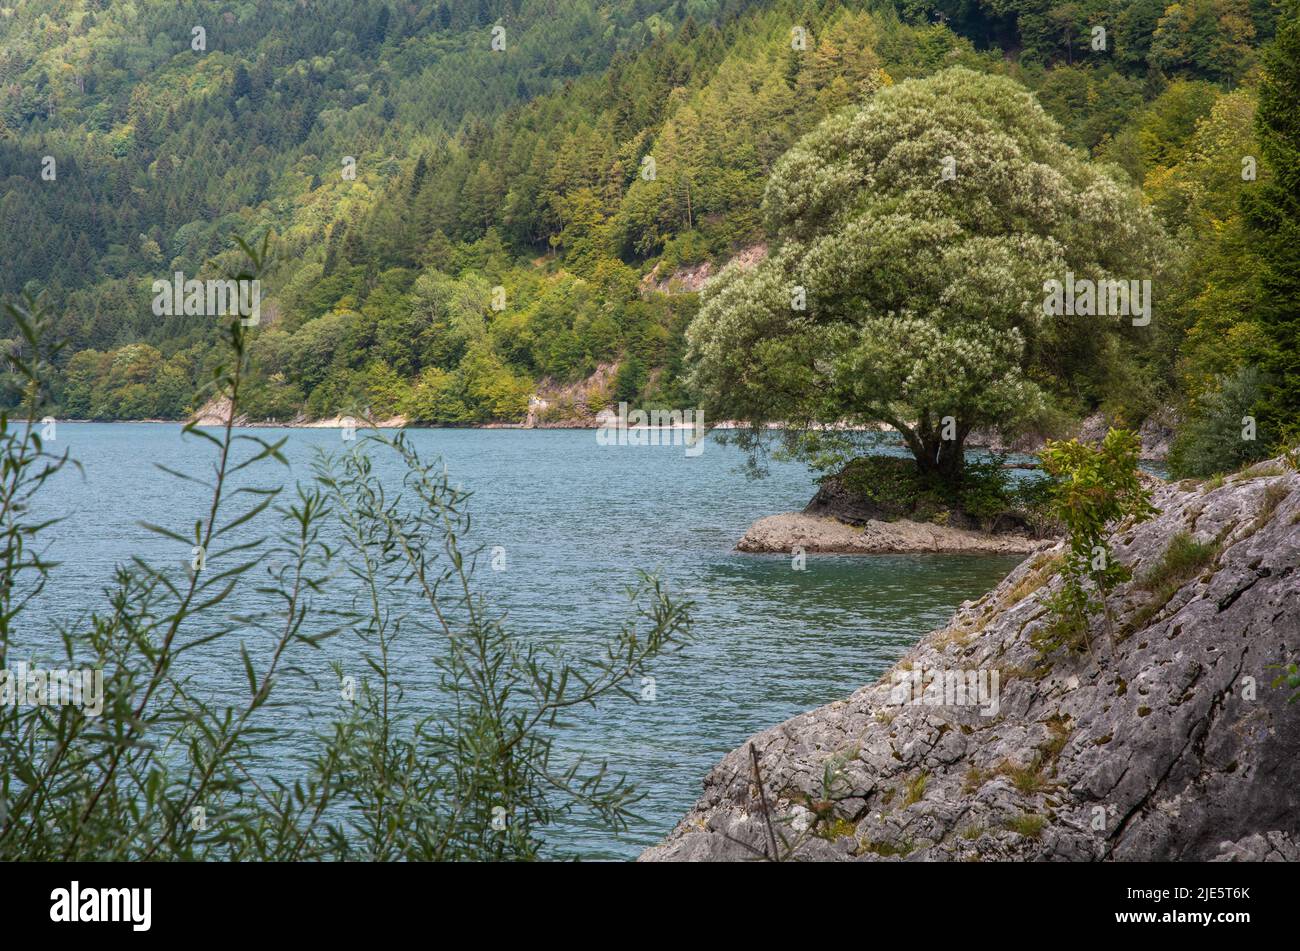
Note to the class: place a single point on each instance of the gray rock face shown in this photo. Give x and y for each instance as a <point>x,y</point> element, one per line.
<point>1156,434</point>
<point>833,500</point>
<point>1164,740</point>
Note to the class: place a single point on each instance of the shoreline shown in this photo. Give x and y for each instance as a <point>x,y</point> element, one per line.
<point>209,418</point>
<point>382,424</point>
<point>988,741</point>
<point>795,533</point>
<point>400,423</point>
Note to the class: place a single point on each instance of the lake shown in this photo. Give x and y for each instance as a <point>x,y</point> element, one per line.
<point>576,520</point>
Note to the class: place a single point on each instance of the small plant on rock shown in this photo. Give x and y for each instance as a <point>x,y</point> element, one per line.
<point>1093,489</point>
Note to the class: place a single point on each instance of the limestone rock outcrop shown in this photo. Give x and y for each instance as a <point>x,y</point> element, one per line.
<point>1164,737</point>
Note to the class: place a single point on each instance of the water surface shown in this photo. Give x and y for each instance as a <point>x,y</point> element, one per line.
<point>576,521</point>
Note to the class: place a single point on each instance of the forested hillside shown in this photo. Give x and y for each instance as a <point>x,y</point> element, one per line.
<point>507,203</point>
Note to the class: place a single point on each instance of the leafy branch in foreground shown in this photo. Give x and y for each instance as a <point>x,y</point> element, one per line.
<point>27,465</point>
<point>480,779</point>
<point>217,738</point>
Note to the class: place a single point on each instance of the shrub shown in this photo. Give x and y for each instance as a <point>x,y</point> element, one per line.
<point>1033,500</point>
<point>1183,558</point>
<point>1094,489</point>
<point>983,497</point>
<point>437,397</point>
<point>1028,824</point>
<point>891,483</point>
<point>1211,441</point>
<point>629,381</point>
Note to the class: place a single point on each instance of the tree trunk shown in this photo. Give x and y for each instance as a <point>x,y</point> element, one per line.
<point>942,459</point>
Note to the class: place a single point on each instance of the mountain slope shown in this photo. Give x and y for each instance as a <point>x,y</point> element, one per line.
<point>454,224</point>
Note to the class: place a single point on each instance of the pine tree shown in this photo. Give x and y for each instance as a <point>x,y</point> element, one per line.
<point>242,85</point>
<point>1273,211</point>
<point>417,176</point>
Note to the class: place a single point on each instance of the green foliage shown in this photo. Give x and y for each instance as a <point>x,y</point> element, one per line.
<point>434,188</point>
<point>526,173</point>
<point>986,492</point>
<point>985,497</point>
<point>1213,441</point>
<point>1289,679</point>
<point>438,396</point>
<point>497,391</point>
<point>131,382</point>
<point>1183,558</point>
<point>1034,501</point>
<point>1094,490</point>
<point>1211,38</point>
<point>629,381</point>
<point>149,179</point>
<point>1028,824</point>
<point>890,483</point>
<point>1095,103</point>
<point>1273,211</point>
<point>1211,327</point>
<point>1208,38</point>
<point>144,125</point>
<point>924,305</point>
<point>165,772</point>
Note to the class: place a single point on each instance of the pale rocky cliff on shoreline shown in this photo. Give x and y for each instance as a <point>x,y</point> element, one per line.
<point>1168,743</point>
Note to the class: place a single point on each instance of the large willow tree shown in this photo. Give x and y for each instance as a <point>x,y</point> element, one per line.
<point>910,243</point>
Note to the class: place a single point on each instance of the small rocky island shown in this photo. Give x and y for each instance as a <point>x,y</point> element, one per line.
<point>853,513</point>
<point>1168,737</point>
<point>826,534</point>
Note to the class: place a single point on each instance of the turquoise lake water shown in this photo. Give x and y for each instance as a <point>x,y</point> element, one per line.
<point>576,521</point>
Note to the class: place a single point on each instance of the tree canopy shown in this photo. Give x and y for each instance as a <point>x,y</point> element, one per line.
<point>912,240</point>
<point>520,219</point>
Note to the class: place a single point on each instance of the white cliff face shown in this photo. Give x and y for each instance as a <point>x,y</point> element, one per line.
<point>691,278</point>
<point>1166,740</point>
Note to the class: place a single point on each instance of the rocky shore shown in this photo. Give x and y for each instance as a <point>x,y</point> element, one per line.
<point>1165,739</point>
<point>841,519</point>
<point>824,534</point>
